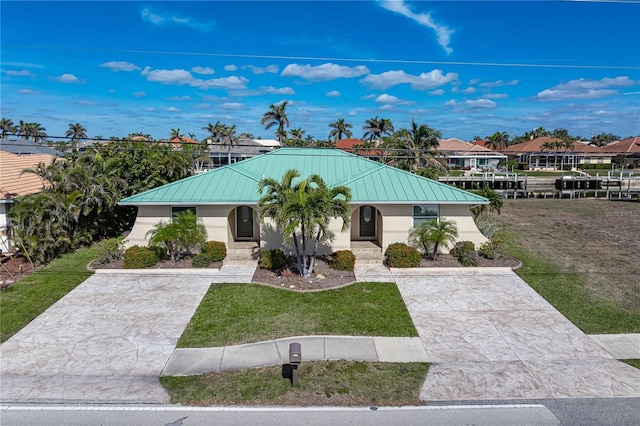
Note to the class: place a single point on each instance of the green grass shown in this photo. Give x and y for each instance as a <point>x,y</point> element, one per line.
<point>566,293</point>
<point>319,383</point>
<point>233,314</point>
<point>32,295</point>
<point>633,362</point>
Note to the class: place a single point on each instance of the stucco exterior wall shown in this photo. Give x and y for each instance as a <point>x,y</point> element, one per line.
<point>146,219</point>
<point>271,238</point>
<point>467,229</point>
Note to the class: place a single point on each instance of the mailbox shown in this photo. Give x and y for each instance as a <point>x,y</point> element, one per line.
<point>295,354</point>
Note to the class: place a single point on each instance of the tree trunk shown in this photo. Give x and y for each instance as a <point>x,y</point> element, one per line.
<point>298,255</point>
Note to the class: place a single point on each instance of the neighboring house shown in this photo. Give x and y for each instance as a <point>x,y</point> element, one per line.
<point>354,146</point>
<point>628,150</point>
<point>386,202</point>
<point>221,155</point>
<point>17,155</point>
<point>534,154</point>
<point>459,153</point>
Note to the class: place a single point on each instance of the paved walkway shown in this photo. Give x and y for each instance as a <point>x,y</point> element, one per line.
<point>490,336</point>
<point>108,339</point>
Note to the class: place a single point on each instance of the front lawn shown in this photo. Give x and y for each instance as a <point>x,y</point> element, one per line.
<point>32,295</point>
<point>232,314</point>
<point>319,383</point>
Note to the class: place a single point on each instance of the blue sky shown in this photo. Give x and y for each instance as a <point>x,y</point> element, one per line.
<point>464,68</point>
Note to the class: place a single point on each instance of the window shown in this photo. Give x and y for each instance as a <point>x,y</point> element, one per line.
<point>176,210</point>
<point>425,212</point>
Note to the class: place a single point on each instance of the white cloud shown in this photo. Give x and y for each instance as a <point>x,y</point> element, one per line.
<point>332,94</point>
<point>499,83</point>
<point>471,104</point>
<point>161,18</point>
<point>178,98</point>
<point>183,77</point>
<point>116,66</point>
<point>584,89</point>
<point>203,70</point>
<point>139,94</point>
<point>28,92</point>
<point>466,91</point>
<point>390,99</point>
<point>496,96</point>
<point>265,90</point>
<point>67,78</point>
<point>443,33</point>
<point>437,92</point>
<point>272,69</point>
<point>230,68</point>
<point>172,109</point>
<point>451,103</point>
<point>231,105</point>
<point>424,81</point>
<point>21,73</point>
<point>324,72</point>
<point>88,103</point>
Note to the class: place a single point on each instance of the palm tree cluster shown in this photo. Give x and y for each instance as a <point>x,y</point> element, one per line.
<point>303,210</point>
<point>222,134</point>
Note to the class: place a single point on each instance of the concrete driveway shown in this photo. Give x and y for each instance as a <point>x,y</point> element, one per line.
<point>490,336</point>
<point>108,339</point>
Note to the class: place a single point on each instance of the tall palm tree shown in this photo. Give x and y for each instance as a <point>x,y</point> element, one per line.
<point>418,143</point>
<point>297,137</point>
<point>540,132</point>
<point>228,138</point>
<point>340,128</point>
<point>215,131</point>
<point>498,141</point>
<point>276,115</point>
<point>36,131</point>
<point>376,127</point>
<point>303,212</point>
<point>7,127</point>
<point>76,132</point>
<point>175,134</point>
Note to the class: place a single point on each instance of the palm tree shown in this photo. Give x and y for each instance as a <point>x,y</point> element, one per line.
<point>495,201</point>
<point>215,131</point>
<point>498,141</point>
<point>228,138</point>
<point>7,127</point>
<point>76,132</point>
<point>36,131</point>
<point>540,132</point>
<point>303,211</point>
<point>433,234</point>
<point>376,127</point>
<point>175,134</point>
<point>417,145</point>
<point>276,116</point>
<point>340,128</point>
<point>297,137</point>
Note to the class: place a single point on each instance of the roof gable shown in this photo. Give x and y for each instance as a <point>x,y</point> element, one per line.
<point>369,181</point>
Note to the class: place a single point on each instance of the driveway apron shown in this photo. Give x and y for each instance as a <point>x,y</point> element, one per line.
<point>489,335</point>
<point>106,341</point>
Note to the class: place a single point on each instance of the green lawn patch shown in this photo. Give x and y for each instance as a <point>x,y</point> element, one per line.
<point>564,290</point>
<point>633,362</point>
<point>232,314</point>
<point>319,383</point>
<point>32,295</point>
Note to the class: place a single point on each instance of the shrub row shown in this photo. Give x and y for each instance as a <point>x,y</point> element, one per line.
<point>400,255</point>
<point>137,257</point>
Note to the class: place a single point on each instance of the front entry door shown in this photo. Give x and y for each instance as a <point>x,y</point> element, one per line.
<point>367,222</point>
<point>244,222</point>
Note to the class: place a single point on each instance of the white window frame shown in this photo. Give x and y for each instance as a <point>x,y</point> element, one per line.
<point>427,212</point>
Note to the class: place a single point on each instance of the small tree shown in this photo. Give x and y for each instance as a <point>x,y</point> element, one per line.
<point>432,234</point>
<point>495,201</point>
<point>181,236</point>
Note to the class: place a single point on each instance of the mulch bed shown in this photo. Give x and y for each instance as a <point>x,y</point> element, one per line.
<point>13,268</point>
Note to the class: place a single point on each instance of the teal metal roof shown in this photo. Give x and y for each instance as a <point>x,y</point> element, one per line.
<point>369,181</point>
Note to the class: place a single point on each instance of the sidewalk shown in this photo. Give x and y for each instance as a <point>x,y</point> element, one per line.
<point>190,361</point>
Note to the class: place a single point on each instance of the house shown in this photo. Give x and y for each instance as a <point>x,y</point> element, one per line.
<point>536,156</point>
<point>355,146</point>
<point>222,155</point>
<point>17,155</point>
<point>386,202</point>
<point>628,150</point>
<point>459,153</point>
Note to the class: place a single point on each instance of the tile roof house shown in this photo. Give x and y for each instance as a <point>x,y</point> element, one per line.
<point>355,146</point>
<point>628,148</point>
<point>17,155</point>
<point>460,153</point>
<point>536,156</point>
<point>386,202</point>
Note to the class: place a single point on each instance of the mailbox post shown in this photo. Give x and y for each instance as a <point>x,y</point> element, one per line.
<point>295,358</point>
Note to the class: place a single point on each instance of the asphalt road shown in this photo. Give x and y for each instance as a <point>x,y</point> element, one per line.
<point>584,412</point>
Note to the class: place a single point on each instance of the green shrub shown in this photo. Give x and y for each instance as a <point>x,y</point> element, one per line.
<point>110,250</point>
<point>161,252</point>
<point>271,259</point>
<point>400,255</point>
<point>216,251</point>
<point>493,249</point>
<point>465,252</point>
<point>343,260</point>
<point>137,257</point>
<point>200,260</point>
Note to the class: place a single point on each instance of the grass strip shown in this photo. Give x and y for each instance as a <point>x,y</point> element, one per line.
<point>32,295</point>
<point>319,383</point>
<point>232,314</point>
<point>633,362</point>
<point>564,290</point>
